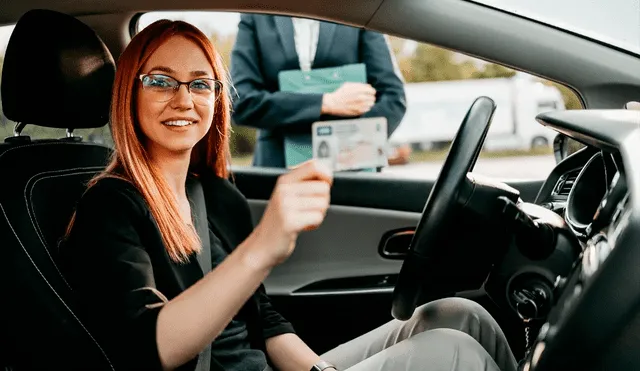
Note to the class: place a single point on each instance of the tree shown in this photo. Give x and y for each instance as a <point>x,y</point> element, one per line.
<point>430,63</point>
<point>397,45</point>
<point>223,44</point>
<point>571,99</point>
<point>243,138</point>
<point>492,70</point>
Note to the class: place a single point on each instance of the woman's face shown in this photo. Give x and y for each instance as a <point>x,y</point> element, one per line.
<point>171,118</point>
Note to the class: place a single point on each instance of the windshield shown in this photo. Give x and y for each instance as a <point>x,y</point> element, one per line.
<point>614,22</point>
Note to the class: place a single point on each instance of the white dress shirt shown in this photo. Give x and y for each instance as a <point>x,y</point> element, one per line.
<point>305,34</point>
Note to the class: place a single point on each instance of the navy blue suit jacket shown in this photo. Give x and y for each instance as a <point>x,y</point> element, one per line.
<point>265,46</point>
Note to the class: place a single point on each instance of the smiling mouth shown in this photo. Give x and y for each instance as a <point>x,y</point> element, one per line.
<point>179,123</point>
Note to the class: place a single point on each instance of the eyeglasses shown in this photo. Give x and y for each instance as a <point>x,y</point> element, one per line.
<point>162,88</point>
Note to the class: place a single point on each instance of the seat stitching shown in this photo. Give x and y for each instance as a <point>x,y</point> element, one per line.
<point>29,202</point>
<point>51,287</point>
<point>31,259</point>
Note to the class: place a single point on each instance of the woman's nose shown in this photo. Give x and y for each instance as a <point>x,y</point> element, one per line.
<point>182,98</point>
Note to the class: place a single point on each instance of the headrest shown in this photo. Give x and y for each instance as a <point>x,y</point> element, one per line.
<point>57,73</point>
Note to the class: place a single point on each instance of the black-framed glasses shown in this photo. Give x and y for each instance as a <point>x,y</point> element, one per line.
<point>162,88</point>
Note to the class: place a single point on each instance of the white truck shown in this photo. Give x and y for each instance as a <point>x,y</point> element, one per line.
<point>436,109</point>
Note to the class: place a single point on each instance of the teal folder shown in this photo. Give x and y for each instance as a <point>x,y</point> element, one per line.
<point>321,80</point>
<point>297,147</point>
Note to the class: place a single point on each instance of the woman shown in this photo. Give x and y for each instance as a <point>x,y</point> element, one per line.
<point>144,295</point>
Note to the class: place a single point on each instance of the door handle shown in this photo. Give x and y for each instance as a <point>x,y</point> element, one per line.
<point>395,244</point>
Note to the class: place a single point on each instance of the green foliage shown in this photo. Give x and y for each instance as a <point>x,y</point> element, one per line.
<point>242,140</point>
<point>571,100</point>
<point>223,45</point>
<point>492,70</point>
<point>430,63</point>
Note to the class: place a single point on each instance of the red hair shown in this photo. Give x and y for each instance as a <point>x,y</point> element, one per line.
<point>130,159</point>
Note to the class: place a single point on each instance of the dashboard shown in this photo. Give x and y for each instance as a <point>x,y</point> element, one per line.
<point>589,192</point>
<point>595,320</point>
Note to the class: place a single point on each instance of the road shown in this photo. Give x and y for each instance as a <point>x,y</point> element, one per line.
<point>506,168</point>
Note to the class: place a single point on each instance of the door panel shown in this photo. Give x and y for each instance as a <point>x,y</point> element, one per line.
<point>346,245</point>
<point>337,285</point>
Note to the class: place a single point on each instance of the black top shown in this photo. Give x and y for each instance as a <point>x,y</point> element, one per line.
<point>117,264</point>
<point>232,348</point>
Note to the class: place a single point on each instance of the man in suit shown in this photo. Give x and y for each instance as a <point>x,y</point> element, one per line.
<point>268,44</point>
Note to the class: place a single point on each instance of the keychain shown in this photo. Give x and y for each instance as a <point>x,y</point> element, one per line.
<point>527,343</point>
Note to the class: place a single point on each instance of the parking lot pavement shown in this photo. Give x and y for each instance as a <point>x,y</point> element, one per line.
<point>506,168</point>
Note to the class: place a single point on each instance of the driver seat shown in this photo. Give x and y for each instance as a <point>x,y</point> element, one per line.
<point>57,74</point>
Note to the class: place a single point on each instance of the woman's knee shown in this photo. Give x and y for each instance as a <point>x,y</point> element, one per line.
<point>448,349</point>
<point>452,313</point>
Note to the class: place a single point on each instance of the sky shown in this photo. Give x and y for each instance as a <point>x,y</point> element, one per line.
<point>613,21</point>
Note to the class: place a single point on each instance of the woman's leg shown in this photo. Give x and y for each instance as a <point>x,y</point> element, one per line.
<point>451,313</point>
<point>433,350</point>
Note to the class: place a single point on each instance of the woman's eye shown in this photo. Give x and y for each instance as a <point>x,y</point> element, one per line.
<point>158,82</point>
<point>201,85</point>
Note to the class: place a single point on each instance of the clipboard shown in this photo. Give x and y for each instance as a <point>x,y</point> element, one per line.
<point>298,146</point>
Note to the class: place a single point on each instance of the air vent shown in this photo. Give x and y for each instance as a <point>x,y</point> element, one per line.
<point>565,183</point>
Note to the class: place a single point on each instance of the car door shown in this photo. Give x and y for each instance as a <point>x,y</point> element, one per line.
<point>338,283</point>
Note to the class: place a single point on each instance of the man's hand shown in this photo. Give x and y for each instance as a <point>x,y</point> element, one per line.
<point>351,99</point>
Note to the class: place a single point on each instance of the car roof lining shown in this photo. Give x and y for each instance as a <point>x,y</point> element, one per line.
<point>604,76</point>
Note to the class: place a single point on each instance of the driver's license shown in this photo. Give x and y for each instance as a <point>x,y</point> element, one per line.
<point>353,144</point>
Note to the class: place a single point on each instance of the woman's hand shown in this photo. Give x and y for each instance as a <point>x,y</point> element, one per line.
<point>299,203</point>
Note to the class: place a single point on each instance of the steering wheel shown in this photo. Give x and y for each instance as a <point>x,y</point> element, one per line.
<point>439,211</point>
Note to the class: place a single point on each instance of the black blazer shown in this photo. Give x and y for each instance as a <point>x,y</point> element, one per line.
<point>117,264</point>
<point>265,46</point>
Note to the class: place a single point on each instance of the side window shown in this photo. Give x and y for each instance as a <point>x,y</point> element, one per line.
<point>439,86</point>
<point>99,135</point>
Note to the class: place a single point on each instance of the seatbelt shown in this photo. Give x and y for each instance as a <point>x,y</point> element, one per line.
<point>199,212</point>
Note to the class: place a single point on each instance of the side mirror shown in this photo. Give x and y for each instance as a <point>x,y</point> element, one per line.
<point>563,147</point>
<point>560,147</point>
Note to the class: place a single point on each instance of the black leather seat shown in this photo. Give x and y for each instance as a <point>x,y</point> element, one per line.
<point>57,74</point>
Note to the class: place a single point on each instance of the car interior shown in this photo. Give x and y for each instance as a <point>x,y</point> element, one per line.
<point>554,260</point>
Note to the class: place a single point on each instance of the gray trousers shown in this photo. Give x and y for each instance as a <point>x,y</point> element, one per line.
<point>448,334</point>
